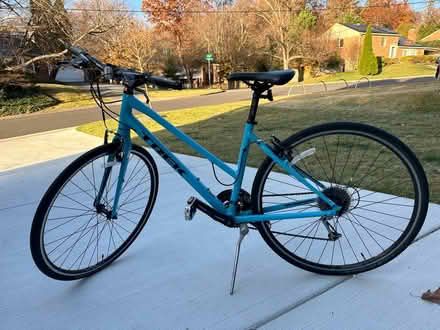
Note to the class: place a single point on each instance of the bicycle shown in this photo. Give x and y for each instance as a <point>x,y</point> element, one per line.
<point>338,198</point>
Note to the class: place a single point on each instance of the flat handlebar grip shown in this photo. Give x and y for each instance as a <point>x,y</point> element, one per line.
<point>165,83</point>
<point>84,55</point>
<point>75,50</point>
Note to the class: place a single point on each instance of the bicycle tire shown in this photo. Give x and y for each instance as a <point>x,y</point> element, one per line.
<point>55,208</point>
<point>359,217</point>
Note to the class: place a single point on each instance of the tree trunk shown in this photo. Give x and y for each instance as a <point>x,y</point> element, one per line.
<point>189,75</point>
<point>285,58</point>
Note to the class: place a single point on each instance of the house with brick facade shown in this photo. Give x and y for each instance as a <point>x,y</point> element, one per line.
<point>386,43</point>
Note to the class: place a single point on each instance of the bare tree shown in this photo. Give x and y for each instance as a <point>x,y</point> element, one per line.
<point>175,21</point>
<point>230,36</point>
<point>135,46</point>
<point>46,22</point>
<point>286,21</point>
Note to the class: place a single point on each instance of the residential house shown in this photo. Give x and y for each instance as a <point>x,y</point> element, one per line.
<point>10,45</point>
<point>14,50</point>
<point>386,43</point>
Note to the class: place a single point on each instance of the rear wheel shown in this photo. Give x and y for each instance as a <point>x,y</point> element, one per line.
<point>373,176</point>
<point>71,237</point>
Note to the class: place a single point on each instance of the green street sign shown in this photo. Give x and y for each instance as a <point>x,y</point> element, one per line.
<point>209,57</point>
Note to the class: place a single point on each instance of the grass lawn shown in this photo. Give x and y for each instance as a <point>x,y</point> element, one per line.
<point>178,118</point>
<point>70,97</point>
<point>411,112</point>
<point>389,71</point>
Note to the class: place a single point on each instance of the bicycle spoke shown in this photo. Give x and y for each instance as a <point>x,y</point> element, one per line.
<point>342,252</point>
<point>119,225</point>
<point>289,184</point>
<point>329,162</point>
<point>312,240</point>
<point>68,217</point>
<point>380,223</point>
<point>77,240</point>
<point>68,221</point>
<point>71,208</point>
<point>75,201</point>
<point>384,201</point>
<point>97,246</point>
<point>346,161</point>
<point>383,213</point>
<point>307,227</point>
<point>369,230</point>
<point>128,218</point>
<point>348,241</point>
<point>93,186</point>
<point>94,181</point>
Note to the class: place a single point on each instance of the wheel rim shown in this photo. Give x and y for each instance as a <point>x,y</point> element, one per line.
<point>384,201</point>
<point>75,237</point>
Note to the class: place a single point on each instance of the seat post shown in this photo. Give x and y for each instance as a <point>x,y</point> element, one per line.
<point>254,106</point>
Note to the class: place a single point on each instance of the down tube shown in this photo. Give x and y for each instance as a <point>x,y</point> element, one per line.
<point>175,163</point>
<point>138,105</point>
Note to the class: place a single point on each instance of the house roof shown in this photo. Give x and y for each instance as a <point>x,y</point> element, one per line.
<point>436,31</point>
<point>403,42</point>
<point>374,29</point>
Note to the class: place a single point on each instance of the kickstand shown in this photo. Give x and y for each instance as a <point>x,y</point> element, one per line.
<point>244,230</point>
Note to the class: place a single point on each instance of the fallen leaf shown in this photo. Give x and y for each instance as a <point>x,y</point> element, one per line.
<point>432,296</point>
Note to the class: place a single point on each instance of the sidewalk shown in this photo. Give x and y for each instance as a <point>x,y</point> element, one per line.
<point>41,147</point>
<point>177,273</point>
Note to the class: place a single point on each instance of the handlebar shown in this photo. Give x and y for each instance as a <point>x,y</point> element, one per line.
<point>136,78</point>
<point>165,83</point>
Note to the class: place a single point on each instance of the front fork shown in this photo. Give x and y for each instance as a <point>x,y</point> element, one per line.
<point>121,156</point>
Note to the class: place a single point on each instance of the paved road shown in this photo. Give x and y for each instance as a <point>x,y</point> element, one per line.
<point>51,121</point>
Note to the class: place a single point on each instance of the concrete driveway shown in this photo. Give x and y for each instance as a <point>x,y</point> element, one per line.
<point>177,274</point>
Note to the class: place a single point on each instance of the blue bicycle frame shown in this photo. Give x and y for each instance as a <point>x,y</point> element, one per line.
<point>128,121</point>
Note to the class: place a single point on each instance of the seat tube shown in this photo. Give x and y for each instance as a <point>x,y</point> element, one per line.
<point>244,150</point>
<point>242,161</point>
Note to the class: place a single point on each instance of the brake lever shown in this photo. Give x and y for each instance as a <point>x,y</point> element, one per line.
<point>147,99</point>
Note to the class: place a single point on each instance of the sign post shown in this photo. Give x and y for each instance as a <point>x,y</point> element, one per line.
<point>209,58</point>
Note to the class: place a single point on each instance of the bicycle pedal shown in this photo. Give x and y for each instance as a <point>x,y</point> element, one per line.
<point>190,208</point>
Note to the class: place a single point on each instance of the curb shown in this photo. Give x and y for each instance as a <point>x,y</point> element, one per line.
<point>213,93</point>
<point>37,134</point>
<point>354,81</point>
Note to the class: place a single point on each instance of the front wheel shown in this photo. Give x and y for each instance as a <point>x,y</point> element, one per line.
<point>72,236</point>
<point>372,175</point>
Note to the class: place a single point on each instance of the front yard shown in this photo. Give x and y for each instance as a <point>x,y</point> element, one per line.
<point>56,97</point>
<point>389,71</point>
<point>411,112</point>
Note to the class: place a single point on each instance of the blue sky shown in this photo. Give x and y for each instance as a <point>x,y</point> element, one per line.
<point>420,4</point>
<point>134,4</point>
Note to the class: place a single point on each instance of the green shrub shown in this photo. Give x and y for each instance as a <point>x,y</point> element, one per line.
<point>368,62</point>
<point>333,62</point>
<point>16,99</point>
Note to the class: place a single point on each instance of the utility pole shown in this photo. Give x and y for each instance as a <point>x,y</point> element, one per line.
<point>209,67</point>
<point>209,58</point>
